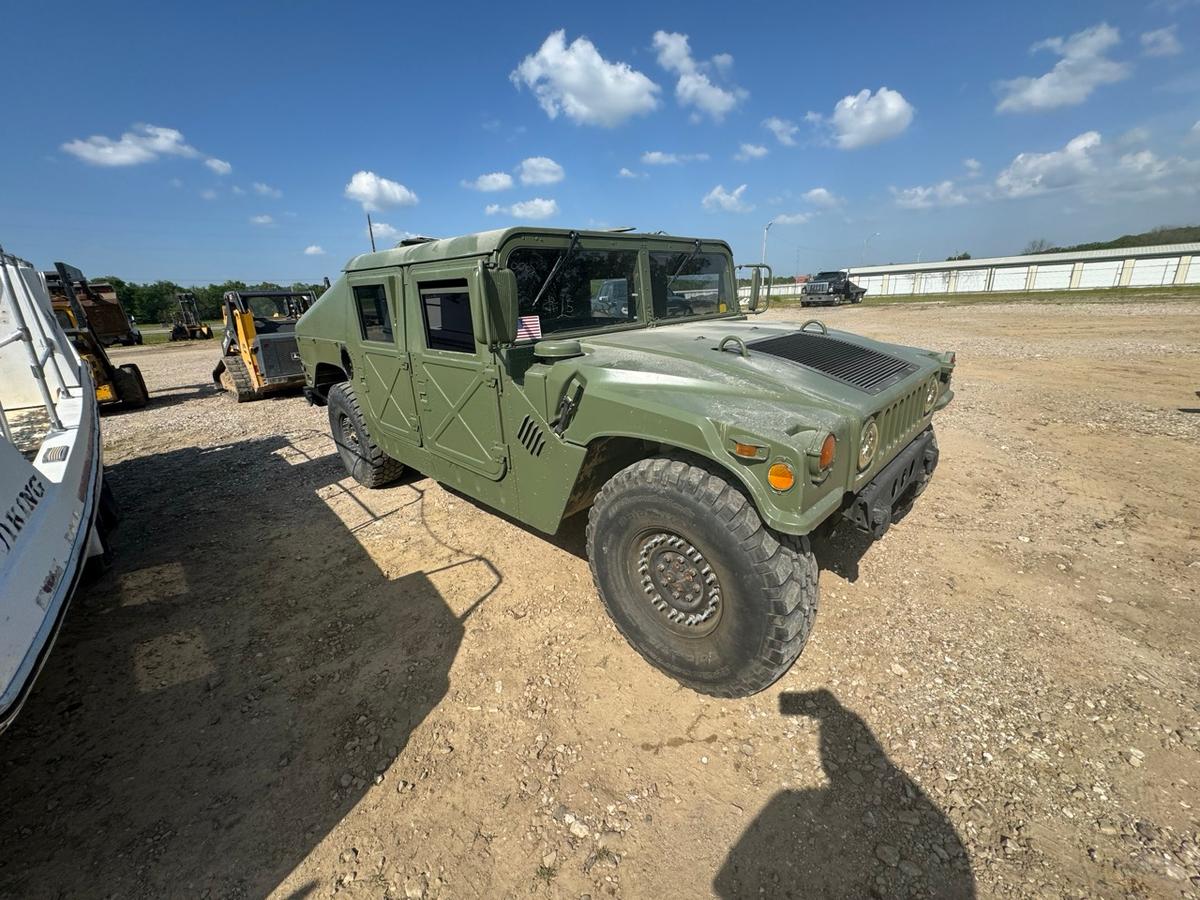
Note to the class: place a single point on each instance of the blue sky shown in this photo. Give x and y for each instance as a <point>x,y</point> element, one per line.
<point>225,141</point>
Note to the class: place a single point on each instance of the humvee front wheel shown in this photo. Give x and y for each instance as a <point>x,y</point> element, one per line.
<point>361,456</point>
<point>696,582</point>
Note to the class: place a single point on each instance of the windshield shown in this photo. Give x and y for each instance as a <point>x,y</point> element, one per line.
<point>700,288</point>
<point>828,276</point>
<point>592,289</point>
<point>275,307</point>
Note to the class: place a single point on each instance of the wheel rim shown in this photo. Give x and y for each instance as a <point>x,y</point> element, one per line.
<point>678,583</point>
<point>349,434</point>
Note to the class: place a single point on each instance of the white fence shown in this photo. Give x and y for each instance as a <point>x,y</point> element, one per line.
<point>1169,265</point>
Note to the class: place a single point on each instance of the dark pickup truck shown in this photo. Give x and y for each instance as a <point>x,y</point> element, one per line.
<point>831,289</point>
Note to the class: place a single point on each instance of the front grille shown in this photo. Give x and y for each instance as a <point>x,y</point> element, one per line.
<point>897,420</point>
<point>868,370</point>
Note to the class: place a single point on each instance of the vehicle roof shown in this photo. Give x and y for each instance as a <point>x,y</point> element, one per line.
<point>482,243</point>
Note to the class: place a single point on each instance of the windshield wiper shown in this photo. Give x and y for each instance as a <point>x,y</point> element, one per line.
<point>683,265</point>
<point>558,264</point>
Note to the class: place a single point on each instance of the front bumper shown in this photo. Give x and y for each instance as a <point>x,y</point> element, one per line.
<point>876,504</point>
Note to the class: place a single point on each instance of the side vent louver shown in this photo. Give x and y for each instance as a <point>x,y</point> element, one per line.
<point>531,436</point>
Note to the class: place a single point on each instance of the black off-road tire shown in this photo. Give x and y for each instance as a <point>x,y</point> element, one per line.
<point>361,456</point>
<point>766,583</point>
<point>131,387</point>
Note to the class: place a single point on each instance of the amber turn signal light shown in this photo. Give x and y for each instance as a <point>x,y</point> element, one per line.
<point>828,452</point>
<point>780,476</point>
<point>746,451</point>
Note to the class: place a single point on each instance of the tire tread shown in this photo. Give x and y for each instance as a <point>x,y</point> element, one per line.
<point>785,563</point>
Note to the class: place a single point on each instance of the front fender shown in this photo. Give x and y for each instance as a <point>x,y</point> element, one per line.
<point>705,422</point>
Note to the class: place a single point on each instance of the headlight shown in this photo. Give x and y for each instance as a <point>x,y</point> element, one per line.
<point>868,444</point>
<point>931,395</point>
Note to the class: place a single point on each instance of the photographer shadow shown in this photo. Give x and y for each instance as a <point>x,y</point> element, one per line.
<point>871,832</point>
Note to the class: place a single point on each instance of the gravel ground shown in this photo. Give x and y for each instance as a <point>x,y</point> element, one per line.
<point>291,686</point>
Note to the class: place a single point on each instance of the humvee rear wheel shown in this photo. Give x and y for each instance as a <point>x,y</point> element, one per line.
<point>696,582</point>
<point>361,456</point>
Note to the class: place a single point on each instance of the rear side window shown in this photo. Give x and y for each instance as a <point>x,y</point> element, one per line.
<point>446,306</point>
<point>373,316</point>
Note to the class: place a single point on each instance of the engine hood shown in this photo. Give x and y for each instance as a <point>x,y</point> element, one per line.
<point>683,363</point>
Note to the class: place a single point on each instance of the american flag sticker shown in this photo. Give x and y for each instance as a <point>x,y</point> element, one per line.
<point>529,328</point>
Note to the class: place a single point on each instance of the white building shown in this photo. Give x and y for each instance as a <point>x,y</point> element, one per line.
<point>1168,264</point>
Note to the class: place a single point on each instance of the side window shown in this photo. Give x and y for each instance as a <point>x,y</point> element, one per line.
<point>446,307</point>
<point>373,316</point>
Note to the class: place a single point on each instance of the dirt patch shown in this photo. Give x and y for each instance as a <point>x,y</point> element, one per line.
<point>292,686</point>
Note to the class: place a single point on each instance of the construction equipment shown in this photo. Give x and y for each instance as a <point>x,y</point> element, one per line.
<point>114,384</point>
<point>186,324</point>
<point>258,348</point>
<point>105,313</point>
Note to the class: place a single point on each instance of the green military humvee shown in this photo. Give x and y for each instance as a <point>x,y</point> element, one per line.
<point>709,445</point>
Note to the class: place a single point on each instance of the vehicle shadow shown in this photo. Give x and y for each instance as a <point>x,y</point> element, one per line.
<point>872,832</point>
<point>225,696</point>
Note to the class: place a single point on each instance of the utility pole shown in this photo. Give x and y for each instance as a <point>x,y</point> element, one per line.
<point>766,228</point>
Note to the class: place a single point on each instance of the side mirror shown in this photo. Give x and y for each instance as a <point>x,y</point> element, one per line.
<point>760,299</point>
<point>500,296</point>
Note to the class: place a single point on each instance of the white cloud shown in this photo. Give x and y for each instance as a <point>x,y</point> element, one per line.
<point>265,190</point>
<point>973,166</point>
<point>376,193</point>
<point>750,151</point>
<point>792,218</point>
<point>658,158</point>
<point>539,170</point>
<point>529,210</point>
<point>218,165</point>
<point>865,118</point>
<point>943,193</point>
<point>784,131</point>
<point>1082,68</point>
<point>238,191</point>
<point>1036,173</point>
<point>1099,173</point>
<point>694,88</point>
<point>629,173</point>
<point>314,250</point>
<point>1135,136</point>
<point>178,182</point>
<point>578,82</point>
<point>208,194</point>
<point>1161,42</point>
<point>141,144</point>
<point>492,181</point>
<point>385,232</point>
<point>729,201</point>
<point>820,196</point>
<point>261,220</point>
